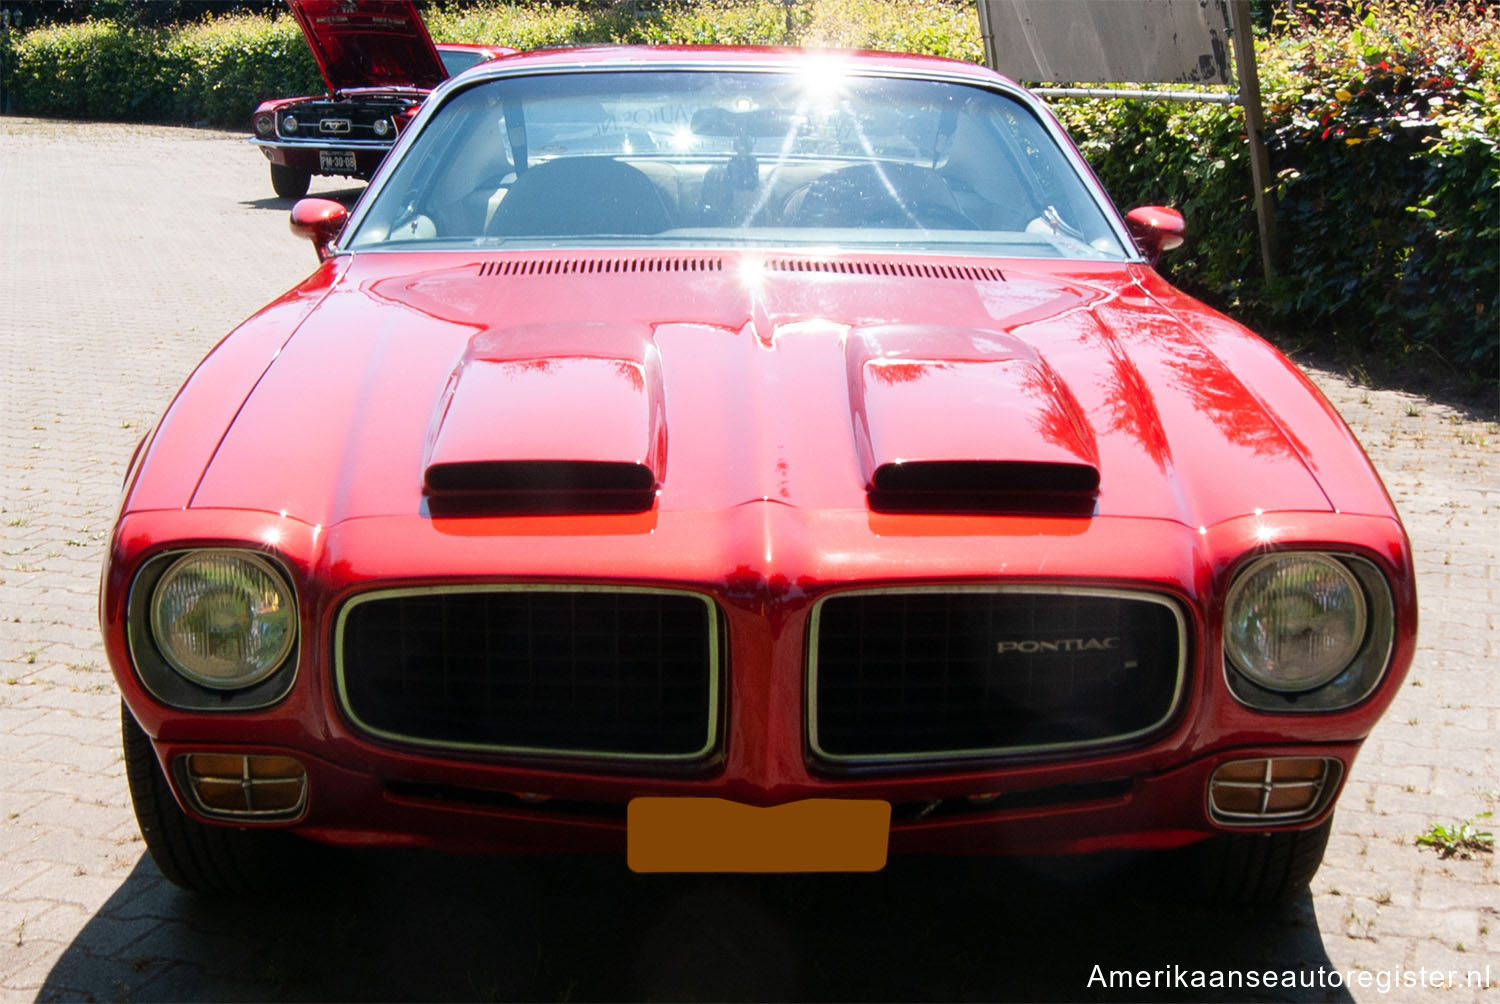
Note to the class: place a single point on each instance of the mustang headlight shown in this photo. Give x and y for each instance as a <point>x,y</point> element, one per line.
<point>1293,622</point>
<point>224,619</point>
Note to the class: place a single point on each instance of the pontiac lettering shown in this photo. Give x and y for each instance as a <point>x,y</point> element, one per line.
<point>1032,646</point>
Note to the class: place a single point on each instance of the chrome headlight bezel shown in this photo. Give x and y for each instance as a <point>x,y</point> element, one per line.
<point>1359,667</point>
<point>165,674</point>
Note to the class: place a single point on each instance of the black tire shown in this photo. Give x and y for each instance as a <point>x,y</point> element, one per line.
<point>214,860</point>
<point>1258,869</point>
<point>289,182</point>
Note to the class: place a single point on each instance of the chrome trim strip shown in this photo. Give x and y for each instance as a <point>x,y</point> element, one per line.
<point>886,759</point>
<point>323,143</point>
<point>715,671</point>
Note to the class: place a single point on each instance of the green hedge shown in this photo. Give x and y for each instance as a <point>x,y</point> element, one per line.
<point>213,73</point>
<point>1383,133</point>
<point>220,70</point>
<point>96,69</point>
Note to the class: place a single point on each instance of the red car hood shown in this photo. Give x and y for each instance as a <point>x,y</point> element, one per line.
<point>369,43</point>
<point>707,382</point>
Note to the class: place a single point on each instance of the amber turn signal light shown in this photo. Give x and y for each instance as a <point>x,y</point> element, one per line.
<point>1272,789</point>
<point>244,786</point>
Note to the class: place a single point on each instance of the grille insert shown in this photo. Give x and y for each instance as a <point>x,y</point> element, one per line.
<point>913,675</point>
<point>545,670</point>
<point>341,120</point>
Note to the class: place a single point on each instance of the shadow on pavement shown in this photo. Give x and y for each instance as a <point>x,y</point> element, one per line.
<point>348,196</point>
<point>408,925</point>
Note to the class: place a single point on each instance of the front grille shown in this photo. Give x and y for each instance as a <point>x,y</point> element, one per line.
<point>911,675</point>
<point>546,670</point>
<point>346,120</point>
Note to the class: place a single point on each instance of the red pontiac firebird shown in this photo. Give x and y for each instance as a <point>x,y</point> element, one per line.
<point>379,63</point>
<point>752,461</point>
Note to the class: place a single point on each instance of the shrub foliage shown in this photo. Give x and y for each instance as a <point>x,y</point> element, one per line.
<point>1383,120</point>
<point>1383,125</point>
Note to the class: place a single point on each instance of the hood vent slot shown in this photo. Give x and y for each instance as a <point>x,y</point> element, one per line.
<point>539,486</point>
<point>597,266</point>
<point>910,270</point>
<point>985,486</point>
<point>617,266</point>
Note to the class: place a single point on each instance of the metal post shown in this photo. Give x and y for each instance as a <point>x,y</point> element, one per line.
<point>1260,162</point>
<point>986,30</point>
<point>9,19</point>
<point>4,62</point>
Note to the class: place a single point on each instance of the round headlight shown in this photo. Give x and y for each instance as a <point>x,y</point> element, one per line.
<point>223,619</point>
<point>382,127</point>
<point>264,125</point>
<point>289,124</point>
<point>1293,622</point>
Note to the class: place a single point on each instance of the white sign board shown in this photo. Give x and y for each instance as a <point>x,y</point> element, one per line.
<point>1108,41</point>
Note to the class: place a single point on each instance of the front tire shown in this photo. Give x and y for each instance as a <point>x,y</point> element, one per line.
<point>214,860</point>
<point>1258,869</point>
<point>289,182</point>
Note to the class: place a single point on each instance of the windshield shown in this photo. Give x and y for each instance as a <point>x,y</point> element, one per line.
<point>456,61</point>
<point>693,158</point>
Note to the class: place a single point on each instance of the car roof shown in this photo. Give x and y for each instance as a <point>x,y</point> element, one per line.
<point>766,57</point>
<point>494,51</point>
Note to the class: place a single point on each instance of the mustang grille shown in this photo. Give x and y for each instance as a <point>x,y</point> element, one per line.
<point>915,675</point>
<point>589,671</point>
<point>340,120</point>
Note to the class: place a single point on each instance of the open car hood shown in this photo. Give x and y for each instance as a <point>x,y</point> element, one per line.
<point>369,43</point>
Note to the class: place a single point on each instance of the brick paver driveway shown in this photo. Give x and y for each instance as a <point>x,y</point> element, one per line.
<point>126,252</point>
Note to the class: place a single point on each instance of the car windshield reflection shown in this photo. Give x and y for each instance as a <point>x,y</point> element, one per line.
<point>694,158</point>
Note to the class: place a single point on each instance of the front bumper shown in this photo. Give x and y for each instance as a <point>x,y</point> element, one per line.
<point>1077,809</point>
<point>311,155</point>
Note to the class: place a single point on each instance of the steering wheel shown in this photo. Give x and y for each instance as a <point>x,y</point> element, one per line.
<point>877,195</point>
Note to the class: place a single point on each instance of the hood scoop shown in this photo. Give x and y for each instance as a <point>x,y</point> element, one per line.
<point>959,421</point>
<point>549,419</point>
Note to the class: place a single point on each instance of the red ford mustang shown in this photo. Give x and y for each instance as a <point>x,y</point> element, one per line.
<point>747,460</point>
<point>379,63</point>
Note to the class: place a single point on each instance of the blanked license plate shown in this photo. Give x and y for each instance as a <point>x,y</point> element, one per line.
<point>716,835</point>
<point>336,160</point>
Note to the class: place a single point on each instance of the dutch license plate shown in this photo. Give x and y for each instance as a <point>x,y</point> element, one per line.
<point>716,835</point>
<point>336,160</point>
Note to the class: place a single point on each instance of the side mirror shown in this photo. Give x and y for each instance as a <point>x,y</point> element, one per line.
<point>320,221</point>
<point>1156,229</point>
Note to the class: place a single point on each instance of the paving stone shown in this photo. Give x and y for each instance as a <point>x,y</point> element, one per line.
<point>1461,884</point>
